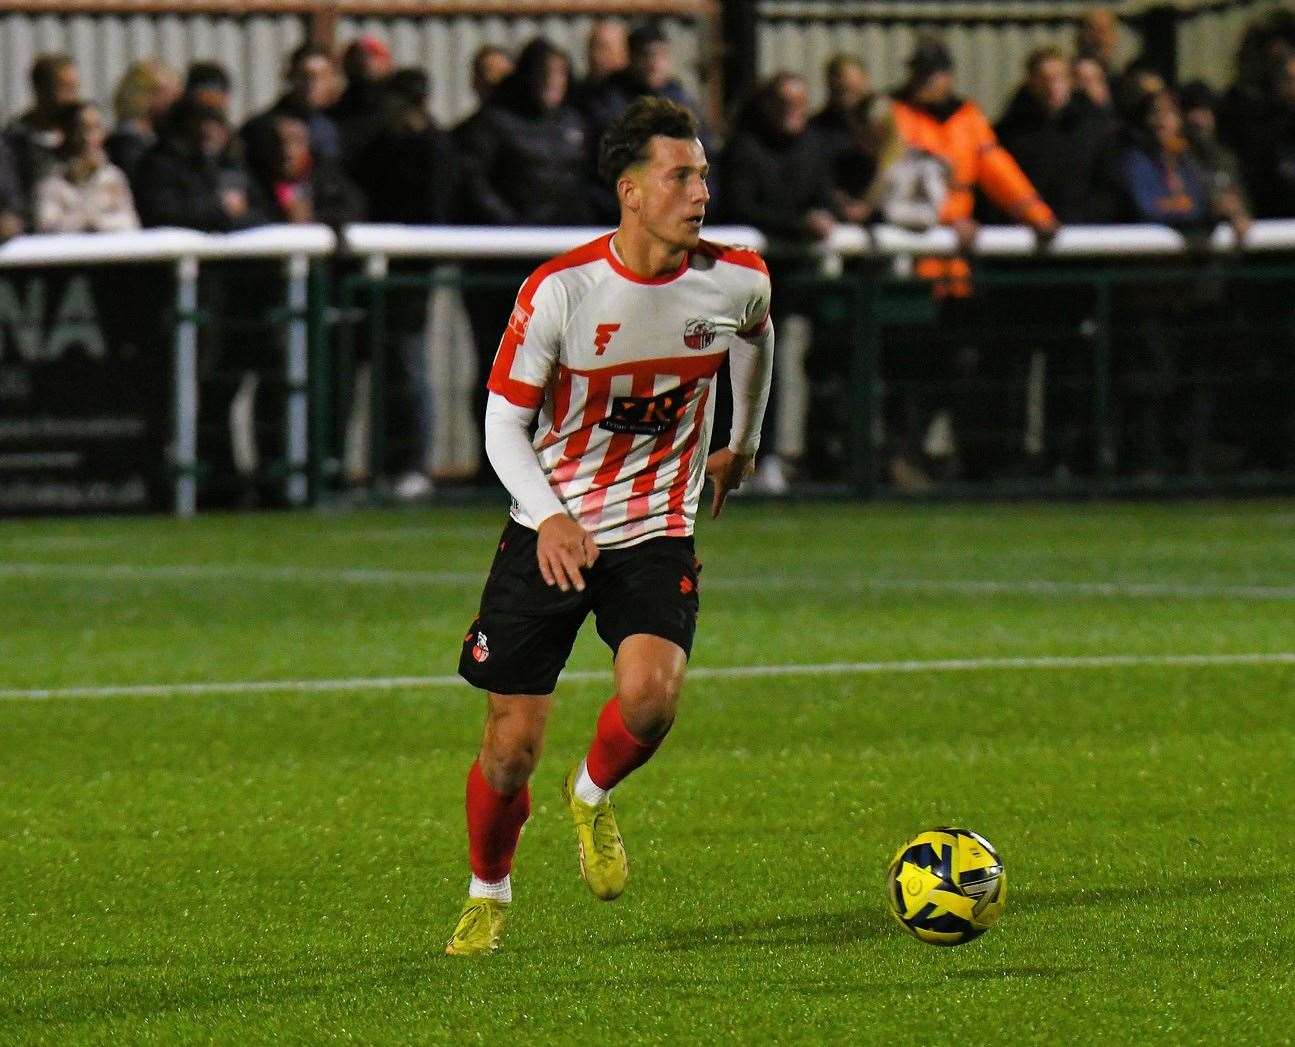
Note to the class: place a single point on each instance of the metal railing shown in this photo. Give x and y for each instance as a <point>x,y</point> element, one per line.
<point>307,317</point>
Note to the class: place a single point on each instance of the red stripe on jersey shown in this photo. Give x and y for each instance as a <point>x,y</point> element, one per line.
<point>743,256</point>
<point>561,405</point>
<point>618,449</point>
<point>522,394</point>
<point>675,522</point>
<point>500,380</point>
<point>688,368</point>
<point>596,398</point>
<point>645,481</point>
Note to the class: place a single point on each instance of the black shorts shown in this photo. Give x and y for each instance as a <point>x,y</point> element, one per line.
<point>525,630</point>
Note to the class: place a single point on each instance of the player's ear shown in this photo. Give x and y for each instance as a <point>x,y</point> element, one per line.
<point>627,189</point>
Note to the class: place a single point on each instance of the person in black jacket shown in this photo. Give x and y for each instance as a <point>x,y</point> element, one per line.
<point>848,88</point>
<point>525,158</point>
<point>144,95</point>
<point>312,88</point>
<point>649,72</point>
<point>408,172</point>
<point>359,112</point>
<point>775,175</point>
<point>34,136</point>
<point>1062,143</point>
<point>777,178</point>
<point>192,178</point>
<point>297,185</point>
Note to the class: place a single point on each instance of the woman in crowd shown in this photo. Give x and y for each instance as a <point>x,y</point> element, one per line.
<point>83,192</point>
<point>144,96</point>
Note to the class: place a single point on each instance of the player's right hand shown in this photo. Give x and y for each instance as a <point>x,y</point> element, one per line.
<point>563,550</point>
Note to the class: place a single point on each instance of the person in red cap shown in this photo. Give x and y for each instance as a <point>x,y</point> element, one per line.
<point>359,112</point>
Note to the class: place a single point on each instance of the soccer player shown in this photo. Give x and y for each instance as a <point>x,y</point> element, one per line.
<point>615,346</point>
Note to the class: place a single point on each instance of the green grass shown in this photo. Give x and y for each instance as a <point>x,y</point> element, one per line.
<point>241,868</point>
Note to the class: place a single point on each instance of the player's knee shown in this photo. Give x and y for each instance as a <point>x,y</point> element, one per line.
<point>649,695</point>
<point>509,767</point>
<point>510,751</point>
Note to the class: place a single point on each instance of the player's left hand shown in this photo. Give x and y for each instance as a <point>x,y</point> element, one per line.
<point>726,470</point>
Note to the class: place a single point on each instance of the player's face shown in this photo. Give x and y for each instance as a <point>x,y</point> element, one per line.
<point>671,190</point>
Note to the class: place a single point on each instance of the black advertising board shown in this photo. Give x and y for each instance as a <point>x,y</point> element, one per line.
<point>85,388</point>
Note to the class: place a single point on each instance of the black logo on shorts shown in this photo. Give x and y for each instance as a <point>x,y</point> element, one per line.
<point>646,415</point>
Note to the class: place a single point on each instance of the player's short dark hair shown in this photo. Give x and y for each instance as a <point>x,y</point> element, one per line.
<point>626,142</point>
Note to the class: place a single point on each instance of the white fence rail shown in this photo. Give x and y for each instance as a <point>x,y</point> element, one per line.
<point>296,246</point>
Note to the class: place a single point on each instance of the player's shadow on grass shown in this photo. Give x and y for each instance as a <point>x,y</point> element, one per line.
<point>1170,889</point>
<point>821,928</point>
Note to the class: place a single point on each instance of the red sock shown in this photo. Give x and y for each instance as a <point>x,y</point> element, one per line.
<point>494,823</point>
<point>615,752</point>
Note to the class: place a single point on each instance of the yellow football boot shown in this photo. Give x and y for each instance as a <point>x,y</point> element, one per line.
<point>479,929</point>
<point>602,851</point>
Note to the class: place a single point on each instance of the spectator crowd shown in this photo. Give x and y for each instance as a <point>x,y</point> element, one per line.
<point>1081,141</point>
<point>351,139</point>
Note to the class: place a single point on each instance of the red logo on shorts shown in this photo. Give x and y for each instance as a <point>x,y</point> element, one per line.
<point>685,585</point>
<point>481,649</point>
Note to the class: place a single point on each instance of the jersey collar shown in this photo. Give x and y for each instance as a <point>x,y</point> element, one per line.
<point>621,269</point>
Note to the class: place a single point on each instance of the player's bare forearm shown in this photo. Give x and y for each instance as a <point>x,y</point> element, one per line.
<point>726,470</point>
<point>563,550</point>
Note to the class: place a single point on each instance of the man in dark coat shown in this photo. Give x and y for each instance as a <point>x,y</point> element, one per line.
<point>777,178</point>
<point>1062,143</point>
<point>34,136</point>
<point>848,89</point>
<point>192,178</point>
<point>312,84</point>
<point>359,112</point>
<point>525,158</point>
<point>649,73</point>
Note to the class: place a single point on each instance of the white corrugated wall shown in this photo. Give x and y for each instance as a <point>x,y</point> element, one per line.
<point>252,49</point>
<point>989,56</point>
<point>990,53</point>
<point>104,45</point>
<point>1208,41</point>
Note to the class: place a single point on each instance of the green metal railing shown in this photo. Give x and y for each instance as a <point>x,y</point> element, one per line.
<point>871,314</point>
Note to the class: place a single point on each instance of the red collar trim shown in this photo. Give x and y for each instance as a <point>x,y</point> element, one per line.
<point>621,269</point>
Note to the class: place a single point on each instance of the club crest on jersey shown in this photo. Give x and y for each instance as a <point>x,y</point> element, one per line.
<point>698,334</point>
<point>480,649</point>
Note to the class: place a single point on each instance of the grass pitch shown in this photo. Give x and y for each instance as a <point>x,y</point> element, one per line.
<point>237,867</point>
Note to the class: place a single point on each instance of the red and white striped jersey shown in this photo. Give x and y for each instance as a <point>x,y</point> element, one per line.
<point>621,369</point>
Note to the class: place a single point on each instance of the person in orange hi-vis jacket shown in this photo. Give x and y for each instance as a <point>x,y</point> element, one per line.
<point>931,118</point>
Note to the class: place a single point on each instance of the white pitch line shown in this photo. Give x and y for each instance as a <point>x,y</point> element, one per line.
<point>391,576</point>
<point>734,672</point>
<point>238,572</point>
